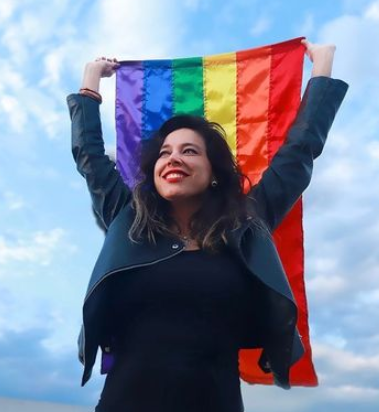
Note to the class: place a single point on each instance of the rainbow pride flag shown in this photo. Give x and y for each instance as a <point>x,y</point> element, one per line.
<point>254,94</point>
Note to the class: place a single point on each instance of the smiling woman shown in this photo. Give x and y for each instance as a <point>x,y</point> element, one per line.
<point>190,185</point>
<point>189,273</point>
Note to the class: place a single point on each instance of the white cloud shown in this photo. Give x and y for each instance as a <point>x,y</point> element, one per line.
<point>193,4</point>
<point>333,339</point>
<point>372,12</point>
<point>343,361</point>
<point>12,319</point>
<point>10,78</point>
<point>262,25</point>
<point>35,27</point>
<point>353,393</point>
<point>130,29</point>
<point>53,63</point>
<point>324,265</point>
<point>14,111</point>
<point>355,60</point>
<point>7,8</point>
<point>13,201</point>
<point>60,340</point>
<point>37,248</point>
<point>370,297</point>
<point>373,150</point>
<point>307,27</point>
<point>326,287</point>
<point>78,185</point>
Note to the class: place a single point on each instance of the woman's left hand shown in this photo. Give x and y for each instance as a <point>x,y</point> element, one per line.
<point>321,55</point>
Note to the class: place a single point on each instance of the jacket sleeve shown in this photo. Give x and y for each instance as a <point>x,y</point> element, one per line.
<point>108,191</point>
<point>290,171</point>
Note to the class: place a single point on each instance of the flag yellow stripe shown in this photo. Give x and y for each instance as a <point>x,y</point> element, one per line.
<point>220,93</point>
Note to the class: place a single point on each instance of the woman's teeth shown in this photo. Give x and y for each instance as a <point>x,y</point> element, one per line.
<point>175,176</point>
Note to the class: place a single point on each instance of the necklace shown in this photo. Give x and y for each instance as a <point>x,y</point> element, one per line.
<point>186,239</point>
<point>189,242</point>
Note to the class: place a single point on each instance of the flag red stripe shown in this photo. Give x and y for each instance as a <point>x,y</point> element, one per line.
<point>285,93</point>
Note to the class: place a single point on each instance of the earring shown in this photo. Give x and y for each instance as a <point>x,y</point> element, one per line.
<point>214,183</point>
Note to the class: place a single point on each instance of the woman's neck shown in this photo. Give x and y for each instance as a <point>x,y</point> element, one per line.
<point>182,213</point>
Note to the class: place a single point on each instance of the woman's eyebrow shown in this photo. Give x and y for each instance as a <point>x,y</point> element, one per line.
<point>166,145</point>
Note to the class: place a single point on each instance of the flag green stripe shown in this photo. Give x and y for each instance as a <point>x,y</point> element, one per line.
<point>188,92</point>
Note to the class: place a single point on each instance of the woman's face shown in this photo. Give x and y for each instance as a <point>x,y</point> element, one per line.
<point>183,170</point>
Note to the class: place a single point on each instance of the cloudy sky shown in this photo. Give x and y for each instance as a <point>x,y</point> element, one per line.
<point>48,238</point>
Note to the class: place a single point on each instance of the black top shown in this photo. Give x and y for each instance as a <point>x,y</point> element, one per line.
<point>180,323</point>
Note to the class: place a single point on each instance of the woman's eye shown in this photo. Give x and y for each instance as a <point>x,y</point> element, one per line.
<point>163,153</point>
<point>190,151</point>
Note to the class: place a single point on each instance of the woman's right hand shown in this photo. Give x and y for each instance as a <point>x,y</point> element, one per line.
<point>106,67</point>
<point>95,70</point>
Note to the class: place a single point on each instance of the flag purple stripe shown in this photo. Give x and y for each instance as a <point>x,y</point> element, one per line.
<point>129,113</point>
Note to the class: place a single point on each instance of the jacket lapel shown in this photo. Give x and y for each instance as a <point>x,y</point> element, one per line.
<point>255,247</point>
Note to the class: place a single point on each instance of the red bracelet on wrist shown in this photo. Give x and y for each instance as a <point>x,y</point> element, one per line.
<point>91,93</point>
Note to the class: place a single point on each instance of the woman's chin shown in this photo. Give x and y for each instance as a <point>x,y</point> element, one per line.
<point>181,198</point>
<point>176,197</point>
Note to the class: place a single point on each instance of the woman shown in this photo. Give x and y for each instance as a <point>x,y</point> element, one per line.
<point>189,273</point>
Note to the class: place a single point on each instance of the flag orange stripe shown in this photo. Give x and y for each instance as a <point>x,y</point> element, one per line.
<point>253,83</point>
<point>253,86</point>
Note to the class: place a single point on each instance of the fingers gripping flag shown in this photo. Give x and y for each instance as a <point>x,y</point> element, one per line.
<point>254,94</point>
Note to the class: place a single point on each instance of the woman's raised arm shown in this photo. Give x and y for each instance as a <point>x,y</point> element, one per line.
<point>108,191</point>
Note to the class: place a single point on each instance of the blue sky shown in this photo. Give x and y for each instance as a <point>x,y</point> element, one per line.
<point>48,238</point>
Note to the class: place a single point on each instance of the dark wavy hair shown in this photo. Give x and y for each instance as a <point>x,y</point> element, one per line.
<point>224,207</point>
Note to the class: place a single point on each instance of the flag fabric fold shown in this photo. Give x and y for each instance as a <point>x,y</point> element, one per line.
<point>254,94</point>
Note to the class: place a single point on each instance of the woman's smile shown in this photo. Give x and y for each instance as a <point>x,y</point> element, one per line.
<point>174,177</point>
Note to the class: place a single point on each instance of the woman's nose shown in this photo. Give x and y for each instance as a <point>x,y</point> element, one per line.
<point>175,158</point>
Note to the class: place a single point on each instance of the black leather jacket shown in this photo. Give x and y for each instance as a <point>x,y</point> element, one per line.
<point>280,187</point>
